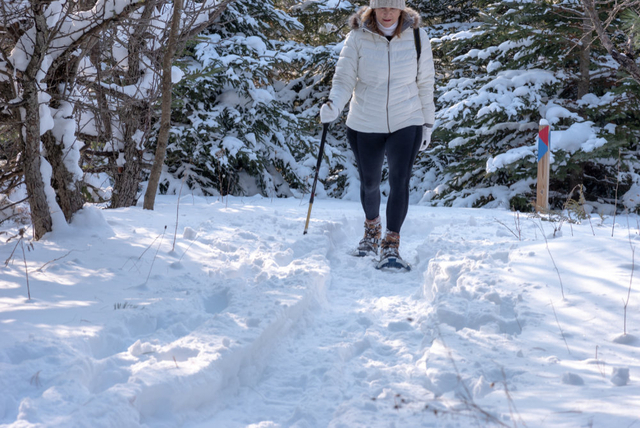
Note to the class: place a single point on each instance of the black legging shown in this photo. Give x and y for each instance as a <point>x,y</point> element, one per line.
<point>401,148</point>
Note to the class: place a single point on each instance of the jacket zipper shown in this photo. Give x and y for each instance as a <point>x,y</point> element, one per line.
<point>388,73</point>
<point>388,82</point>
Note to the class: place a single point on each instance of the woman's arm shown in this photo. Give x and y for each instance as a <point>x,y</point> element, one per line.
<point>426,79</point>
<point>345,76</point>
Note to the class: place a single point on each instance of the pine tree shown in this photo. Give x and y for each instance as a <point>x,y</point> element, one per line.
<point>246,114</point>
<point>518,63</point>
<point>326,26</point>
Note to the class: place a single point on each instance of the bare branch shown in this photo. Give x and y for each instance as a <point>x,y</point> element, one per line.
<point>92,31</point>
<point>197,29</point>
<point>627,63</point>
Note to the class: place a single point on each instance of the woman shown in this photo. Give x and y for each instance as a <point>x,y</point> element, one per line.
<point>391,113</point>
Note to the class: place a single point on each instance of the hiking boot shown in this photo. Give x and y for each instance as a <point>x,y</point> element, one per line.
<point>389,254</point>
<point>371,241</point>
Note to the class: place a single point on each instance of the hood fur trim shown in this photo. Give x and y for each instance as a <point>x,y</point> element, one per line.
<point>411,18</point>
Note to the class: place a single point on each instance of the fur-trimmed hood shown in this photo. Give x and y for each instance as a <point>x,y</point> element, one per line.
<point>411,19</point>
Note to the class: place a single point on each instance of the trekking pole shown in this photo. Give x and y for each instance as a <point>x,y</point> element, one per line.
<point>325,128</point>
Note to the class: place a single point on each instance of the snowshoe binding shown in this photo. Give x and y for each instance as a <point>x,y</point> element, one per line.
<point>389,255</point>
<point>368,245</point>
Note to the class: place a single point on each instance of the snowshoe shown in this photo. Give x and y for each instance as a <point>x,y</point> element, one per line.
<point>390,256</point>
<point>393,263</point>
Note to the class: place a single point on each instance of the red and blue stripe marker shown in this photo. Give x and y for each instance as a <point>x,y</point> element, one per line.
<point>544,137</point>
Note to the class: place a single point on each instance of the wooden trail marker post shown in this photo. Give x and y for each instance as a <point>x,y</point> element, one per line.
<point>544,153</point>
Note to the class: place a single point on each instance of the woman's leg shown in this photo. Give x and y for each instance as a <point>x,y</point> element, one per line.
<point>402,149</point>
<point>368,149</point>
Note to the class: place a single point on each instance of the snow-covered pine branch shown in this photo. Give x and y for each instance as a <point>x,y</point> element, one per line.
<point>83,69</point>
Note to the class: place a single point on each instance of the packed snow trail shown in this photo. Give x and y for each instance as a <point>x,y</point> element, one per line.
<point>250,323</point>
<point>351,359</point>
<point>437,346</point>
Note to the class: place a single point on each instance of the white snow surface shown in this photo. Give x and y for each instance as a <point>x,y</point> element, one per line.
<point>250,323</point>
<point>176,74</point>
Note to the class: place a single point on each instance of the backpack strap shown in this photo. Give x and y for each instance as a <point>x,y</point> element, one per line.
<point>416,38</point>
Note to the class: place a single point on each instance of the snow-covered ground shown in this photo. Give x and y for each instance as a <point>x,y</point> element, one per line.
<point>250,323</point>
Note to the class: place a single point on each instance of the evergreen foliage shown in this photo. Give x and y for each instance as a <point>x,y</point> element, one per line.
<point>246,119</point>
<point>326,26</point>
<point>245,116</point>
<point>517,63</point>
<point>228,121</point>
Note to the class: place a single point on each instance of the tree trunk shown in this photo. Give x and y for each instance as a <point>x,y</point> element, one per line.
<point>40,213</point>
<point>125,189</point>
<point>134,115</point>
<point>165,118</point>
<point>585,57</point>
<point>65,183</point>
<point>68,189</point>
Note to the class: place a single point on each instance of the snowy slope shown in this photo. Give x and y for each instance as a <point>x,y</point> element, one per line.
<point>250,323</point>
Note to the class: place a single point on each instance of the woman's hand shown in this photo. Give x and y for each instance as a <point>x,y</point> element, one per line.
<point>328,112</point>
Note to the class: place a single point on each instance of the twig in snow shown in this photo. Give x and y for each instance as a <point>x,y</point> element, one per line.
<point>187,249</point>
<point>20,236</point>
<point>140,256</point>
<point>582,201</point>
<point>467,399</point>
<point>552,260</point>
<point>517,226</point>
<point>175,233</point>
<point>52,261</point>
<point>35,379</point>
<point>558,323</point>
<point>26,270</point>
<point>155,255</point>
<point>600,367</point>
<point>512,404</point>
<point>633,265</point>
<point>615,205</point>
<point>518,321</point>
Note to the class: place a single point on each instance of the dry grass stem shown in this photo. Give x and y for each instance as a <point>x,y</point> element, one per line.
<point>26,269</point>
<point>517,225</point>
<point>155,255</point>
<point>560,328</point>
<point>552,260</point>
<point>53,261</point>
<point>187,249</point>
<point>615,206</point>
<point>633,265</point>
<point>140,256</point>
<point>175,233</point>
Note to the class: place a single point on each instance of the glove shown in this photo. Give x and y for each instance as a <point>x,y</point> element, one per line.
<point>426,137</point>
<point>328,112</point>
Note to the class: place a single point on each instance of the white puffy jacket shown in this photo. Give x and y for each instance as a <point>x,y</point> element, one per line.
<point>389,90</point>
